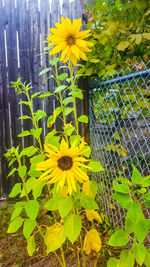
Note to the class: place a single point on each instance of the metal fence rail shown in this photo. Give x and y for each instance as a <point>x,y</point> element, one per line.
<point>119,131</point>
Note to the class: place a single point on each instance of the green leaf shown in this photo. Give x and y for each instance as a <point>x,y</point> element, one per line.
<point>121,188</point>
<point>147,196</point>
<point>36,132</point>
<point>60,88</point>
<point>44,71</point>
<point>72,226</point>
<point>62,76</point>
<point>40,114</point>
<point>136,222</point>
<point>83,118</point>
<point>29,151</point>
<point>112,262</point>
<point>15,190</point>
<point>24,133</point>
<point>46,94</point>
<point>11,172</point>
<point>147,258</point>
<point>64,206</point>
<point>68,110</point>
<point>34,95</point>
<point>123,199</point>
<point>37,158</point>
<point>52,204</point>
<point>15,225</point>
<point>29,186</point>
<point>136,176</point>
<point>74,138</point>
<point>37,189</point>
<point>32,209</point>
<point>67,100</point>
<point>118,239</point>
<point>17,211</point>
<point>88,202</point>
<point>87,152</point>
<point>54,60</point>
<point>78,94</point>
<point>141,229</point>
<point>24,118</point>
<point>126,259</point>
<point>28,227</point>
<point>69,130</point>
<point>31,245</point>
<point>140,253</point>
<point>22,170</point>
<point>24,102</point>
<point>95,166</point>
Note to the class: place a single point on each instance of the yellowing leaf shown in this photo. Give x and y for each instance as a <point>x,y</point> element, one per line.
<point>93,215</point>
<point>94,60</point>
<point>90,188</point>
<point>122,45</point>
<point>92,242</point>
<point>54,237</point>
<point>146,35</point>
<point>138,38</point>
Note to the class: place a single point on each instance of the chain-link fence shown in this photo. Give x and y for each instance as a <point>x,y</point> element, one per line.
<point>119,131</point>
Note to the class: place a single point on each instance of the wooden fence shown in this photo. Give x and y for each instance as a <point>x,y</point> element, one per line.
<point>24,25</point>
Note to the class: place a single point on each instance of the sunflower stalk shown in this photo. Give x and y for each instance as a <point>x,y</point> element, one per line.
<point>74,98</point>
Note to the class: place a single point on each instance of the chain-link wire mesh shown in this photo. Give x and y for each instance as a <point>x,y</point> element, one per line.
<point>119,131</point>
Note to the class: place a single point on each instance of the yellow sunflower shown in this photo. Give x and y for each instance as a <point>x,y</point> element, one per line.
<point>67,38</point>
<point>64,165</point>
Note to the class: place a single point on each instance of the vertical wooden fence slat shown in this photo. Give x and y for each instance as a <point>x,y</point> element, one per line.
<point>35,60</point>
<point>55,17</point>
<point>76,9</point>
<point>66,9</point>
<point>76,14</point>
<point>44,30</point>
<point>4,122</point>
<point>11,36</point>
<point>23,35</point>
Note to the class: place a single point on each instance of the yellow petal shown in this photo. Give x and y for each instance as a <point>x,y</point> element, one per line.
<point>75,51</point>
<point>58,48</point>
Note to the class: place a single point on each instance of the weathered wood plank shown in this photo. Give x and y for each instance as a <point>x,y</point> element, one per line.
<point>24,57</point>
<point>66,9</point>
<point>44,31</point>
<point>4,124</point>
<point>76,9</point>
<point>35,58</point>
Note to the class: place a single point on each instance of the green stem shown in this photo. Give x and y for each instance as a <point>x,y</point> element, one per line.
<point>60,96</point>
<point>83,255</point>
<point>34,120</point>
<point>23,180</point>
<point>74,98</point>
<point>63,256</point>
<point>58,258</point>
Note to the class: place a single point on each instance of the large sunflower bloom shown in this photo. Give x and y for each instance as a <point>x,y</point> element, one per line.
<point>64,165</point>
<point>67,38</point>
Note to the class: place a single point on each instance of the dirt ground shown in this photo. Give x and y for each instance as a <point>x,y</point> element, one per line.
<point>13,251</point>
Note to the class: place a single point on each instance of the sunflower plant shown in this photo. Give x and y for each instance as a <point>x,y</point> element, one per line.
<point>58,179</point>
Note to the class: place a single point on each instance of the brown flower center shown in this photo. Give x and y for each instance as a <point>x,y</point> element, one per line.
<point>65,163</point>
<point>70,40</point>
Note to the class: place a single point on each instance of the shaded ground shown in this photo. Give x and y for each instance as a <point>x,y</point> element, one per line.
<point>13,250</point>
